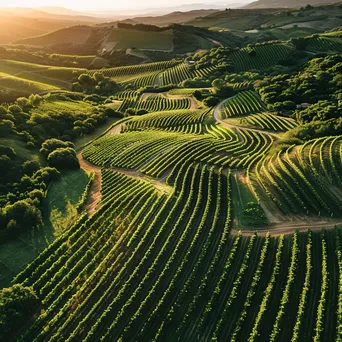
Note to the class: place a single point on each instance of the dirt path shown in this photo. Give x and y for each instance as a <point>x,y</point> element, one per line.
<point>159,183</point>
<point>115,130</point>
<point>219,120</point>
<point>94,196</point>
<point>288,228</point>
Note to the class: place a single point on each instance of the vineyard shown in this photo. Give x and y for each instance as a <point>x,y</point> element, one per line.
<point>303,178</point>
<point>212,203</point>
<point>271,122</point>
<point>322,44</point>
<point>244,103</point>
<point>264,56</point>
<point>152,103</point>
<point>136,270</point>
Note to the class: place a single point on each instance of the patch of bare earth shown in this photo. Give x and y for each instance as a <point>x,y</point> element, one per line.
<point>94,195</point>
<point>115,130</point>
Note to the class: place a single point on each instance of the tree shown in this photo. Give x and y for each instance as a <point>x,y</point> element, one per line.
<point>25,215</point>
<point>197,94</point>
<point>8,151</point>
<point>6,127</point>
<point>218,84</point>
<point>30,167</point>
<point>50,145</point>
<point>46,175</point>
<point>3,111</point>
<point>211,101</point>
<point>17,305</point>
<point>300,43</point>
<point>85,80</point>
<point>63,158</point>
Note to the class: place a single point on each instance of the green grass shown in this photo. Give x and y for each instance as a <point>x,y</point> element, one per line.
<point>187,91</point>
<point>74,34</point>
<point>13,67</point>
<point>24,86</point>
<point>23,153</point>
<point>60,204</point>
<point>242,196</point>
<point>62,199</point>
<point>33,76</point>
<point>98,131</point>
<point>57,107</point>
<point>141,39</point>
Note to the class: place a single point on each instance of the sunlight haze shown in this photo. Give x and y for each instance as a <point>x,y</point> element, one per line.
<point>106,4</point>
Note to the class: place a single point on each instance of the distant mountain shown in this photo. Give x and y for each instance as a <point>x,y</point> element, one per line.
<point>59,10</point>
<point>20,23</point>
<point>130,13</point>
<point>286,3</point>
<point>172,18</point>
<point>321,18</point>
<point>38,13</point>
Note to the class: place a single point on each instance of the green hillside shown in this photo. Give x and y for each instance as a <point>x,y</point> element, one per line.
<point>123,39</point>
<point>76,34</point>
<point>320,18</point>
<point>282,3</point>
<point>174,183</point>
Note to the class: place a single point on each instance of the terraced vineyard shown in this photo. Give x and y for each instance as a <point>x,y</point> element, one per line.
<point>136,69</point>
<point>153,103</point>
<point>138,270</point>
<point>322,44</point>
<point>246,102</point>
<point>168,120</point>
<point>197,222</point>
<point>297,188</point>
<point>264,57</point>
<point>271,121</point>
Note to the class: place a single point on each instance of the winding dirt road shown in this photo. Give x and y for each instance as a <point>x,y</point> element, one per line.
<point>94,196</point>
<point>279,226</point>
<point>288,228</point>
<point>223,123</point>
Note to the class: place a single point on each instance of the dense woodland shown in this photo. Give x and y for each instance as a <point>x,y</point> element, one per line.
<point>185,190</point>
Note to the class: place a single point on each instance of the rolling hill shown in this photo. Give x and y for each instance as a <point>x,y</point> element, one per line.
<point>319,18</point>
<point>286,3</point>
<point>91,40</point>
<point>21,23</point>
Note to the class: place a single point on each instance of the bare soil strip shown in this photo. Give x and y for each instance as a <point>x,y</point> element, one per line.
<point>288,228</point>
<point>94,195</point>
<point>115,130</point>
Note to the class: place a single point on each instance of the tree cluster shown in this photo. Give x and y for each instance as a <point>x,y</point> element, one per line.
<point>96,84</point>
<point>17,305</point>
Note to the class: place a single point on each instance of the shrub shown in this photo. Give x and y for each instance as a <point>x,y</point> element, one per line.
<point>63,158</point>
<point>50,145</point>
<point>17,304</point>
<point>211,101</point>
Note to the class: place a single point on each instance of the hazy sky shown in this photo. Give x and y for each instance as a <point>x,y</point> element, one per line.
<point>107,4</point>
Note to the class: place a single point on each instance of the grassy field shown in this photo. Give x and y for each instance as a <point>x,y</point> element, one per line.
<point>24,86</point>
<point>125,38</point>
<point>13,67</point>
<point>20,148</point>
<point>61,201</point>
<point>98,131</point>
<point>76,34</point>
<point>60,210</point>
